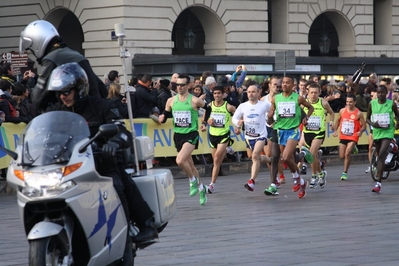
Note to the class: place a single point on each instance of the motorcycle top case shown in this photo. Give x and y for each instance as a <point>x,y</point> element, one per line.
<point>157,188</point>
<point>145,148</point>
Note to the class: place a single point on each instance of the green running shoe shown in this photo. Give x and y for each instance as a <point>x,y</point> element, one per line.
<point>203,199</point>
<point>344,176</point>
<point>355,150</point>
<point>308,155</point>
<point>194,187</point>
<point>271,191</point>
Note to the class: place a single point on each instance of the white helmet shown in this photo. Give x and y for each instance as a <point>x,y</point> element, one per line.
<point>36,37</point>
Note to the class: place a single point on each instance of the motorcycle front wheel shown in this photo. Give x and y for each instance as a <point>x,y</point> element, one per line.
<point>374,166</point>
<point>47,251</point>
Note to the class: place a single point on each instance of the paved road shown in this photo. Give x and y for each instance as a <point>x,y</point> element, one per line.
<point>342,224</point>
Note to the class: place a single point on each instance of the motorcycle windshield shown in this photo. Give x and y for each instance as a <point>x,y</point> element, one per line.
<point>50,138</point>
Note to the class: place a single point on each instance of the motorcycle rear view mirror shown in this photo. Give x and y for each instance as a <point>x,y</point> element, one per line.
<point>107,131</point>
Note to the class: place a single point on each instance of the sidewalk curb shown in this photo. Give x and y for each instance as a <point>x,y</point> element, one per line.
<point>228,168</point>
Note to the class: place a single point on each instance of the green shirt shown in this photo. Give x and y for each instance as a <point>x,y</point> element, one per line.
<point>384,115</point>
<point>185,118</point>
<point>317,121</point>
<point>221,120</point>
<point>288,111</point>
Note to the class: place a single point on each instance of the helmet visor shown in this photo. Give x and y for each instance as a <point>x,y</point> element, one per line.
<point>24,43</point>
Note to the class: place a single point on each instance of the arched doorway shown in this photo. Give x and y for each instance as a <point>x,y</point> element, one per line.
<point>68,27</point>
<point>198,30</point>
<point>332,30</point>
<point>323,37</point>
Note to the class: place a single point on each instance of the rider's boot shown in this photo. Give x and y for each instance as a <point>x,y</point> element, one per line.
<point>148,233</point>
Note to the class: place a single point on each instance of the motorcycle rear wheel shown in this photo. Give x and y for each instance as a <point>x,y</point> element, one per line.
<point>47,251</point>
<point>374,166</point>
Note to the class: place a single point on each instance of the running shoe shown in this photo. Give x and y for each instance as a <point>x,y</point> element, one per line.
<point>194,187</point>
<point>344,176</point>
<point>302,192</point>
<point>313,182</point>
<point>308,156</point>
<point>355,150</point>
<point>297,184</point>
<point>367,170</point>
<point>282,179</point>
<point>322,179</point>
<point>271,191</point>
<point>278,183</point>
<point>203,199</point>
<point>210,189</point>
<point>377,188</point>
<point>250,185</point>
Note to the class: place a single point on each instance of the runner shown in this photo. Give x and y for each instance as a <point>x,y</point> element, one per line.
<point>218,118</point>
<point>380,115</point>
<point>314,132</point>
<point>252,115</point>
<point>288,118</point>
<point>184,109</point>
<point>352,125</point>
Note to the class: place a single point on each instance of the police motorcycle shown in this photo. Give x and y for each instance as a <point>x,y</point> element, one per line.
<point>71,215</point>
<point>391,161</point>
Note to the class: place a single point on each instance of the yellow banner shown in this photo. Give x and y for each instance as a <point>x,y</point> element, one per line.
<point>161,135</point>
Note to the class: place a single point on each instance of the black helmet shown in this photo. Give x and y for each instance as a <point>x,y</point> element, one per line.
<point>69,76</point>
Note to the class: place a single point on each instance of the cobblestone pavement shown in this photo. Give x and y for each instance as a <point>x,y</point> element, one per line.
<point>342,224</point>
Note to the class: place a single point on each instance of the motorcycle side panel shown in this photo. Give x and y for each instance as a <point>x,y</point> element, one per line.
<point>157,188</point>
<point>103,220</point>
<point>44,229</point>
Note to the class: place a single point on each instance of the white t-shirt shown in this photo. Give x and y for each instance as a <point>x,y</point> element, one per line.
<point>254,118</point>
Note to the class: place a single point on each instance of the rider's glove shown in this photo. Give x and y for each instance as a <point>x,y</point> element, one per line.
<point>110,148</point>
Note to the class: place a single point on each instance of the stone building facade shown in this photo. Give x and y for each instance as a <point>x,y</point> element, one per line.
<point>248,28</point>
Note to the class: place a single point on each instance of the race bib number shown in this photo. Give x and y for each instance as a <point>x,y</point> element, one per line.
<point>348,128</point>
<point>182,118</point>
<point>219,120</point>
<point>252,129</point>
<point>314,123</point>
<point>286,109</point>
<point>382,119</point>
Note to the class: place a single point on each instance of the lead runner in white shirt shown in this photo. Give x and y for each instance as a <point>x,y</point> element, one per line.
<point>252,115</point>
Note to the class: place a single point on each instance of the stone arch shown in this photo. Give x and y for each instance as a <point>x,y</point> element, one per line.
<point>213,27</point>
<point>343,30</point>
<point>68,26</point>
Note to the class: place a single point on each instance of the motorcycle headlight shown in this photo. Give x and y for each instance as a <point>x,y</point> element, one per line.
<point>46,183</point>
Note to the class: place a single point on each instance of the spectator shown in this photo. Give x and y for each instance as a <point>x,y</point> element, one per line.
<point>164,94</point>
<point>314,78</point>
<point>7,73</point>
<point>197,81</point>
<point>205,75</point>
<point>229,89</point>
<point>2,117</point>
<point>114,94</point>
<point>24,106</point>
<point>145,98</point>
<point>210,83</point>
<point>361,102</point>
<point>387,82</point>
<point>336,96</point>
<point>113,77</point>
<point>240,69</point>
<point>323,86</point>
<point>105,79</point>
<point>7,105</point>
<point>43,40</point>
<point>174,77</point>
<point>199,92</point>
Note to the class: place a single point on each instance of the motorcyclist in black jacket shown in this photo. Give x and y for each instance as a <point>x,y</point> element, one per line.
<point>70,83</point>
<point>43,40</point>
